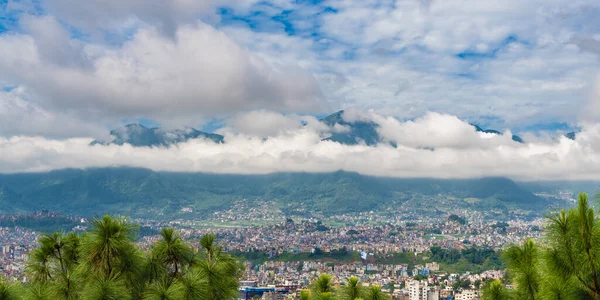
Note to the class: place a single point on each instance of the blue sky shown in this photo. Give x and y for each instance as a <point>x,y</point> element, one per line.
<point>504,64</point>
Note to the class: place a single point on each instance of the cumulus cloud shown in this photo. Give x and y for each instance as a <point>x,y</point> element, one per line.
<point>202,72</point>
<point>265,123</point>
<point>591,112</point>
<point>167,15</point>
<point>21,117</point>
<point>301,149</point>
<point>516,63</point>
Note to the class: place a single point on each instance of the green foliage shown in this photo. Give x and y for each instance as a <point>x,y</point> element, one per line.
<point>565,266</point>
<point>305,295</point>
<point>9,291</point>
<point>469,259</point>
<point>351,290</point>
<point>165,289</point>
<point>523,264</point>
<point>171,251</point>
<point>419,277</point>
<point>42,222</point>
<point>494,290</point>
<point>457,219</point>
<point>374,293</point>
<point>105,264</point>
<point>324,288</point>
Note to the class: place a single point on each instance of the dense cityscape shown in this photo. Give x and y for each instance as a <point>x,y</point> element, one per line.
<point>445,255</point>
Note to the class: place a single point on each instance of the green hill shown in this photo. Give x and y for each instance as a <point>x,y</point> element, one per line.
<point>142,192</point>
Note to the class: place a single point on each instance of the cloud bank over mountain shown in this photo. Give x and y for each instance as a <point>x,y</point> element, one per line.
<point>420,70</point>
<point>435,145</point>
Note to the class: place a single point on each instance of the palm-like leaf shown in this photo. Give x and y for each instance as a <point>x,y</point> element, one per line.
<point>523,262</point>
<point>174,253</point>
<point>194,286</point>
<point>305,295</point>
<point>9,291</point>
<point>38,291</point>
<point>165,289</point>
<point>351,290</point>
<point>323,285</point>
<point>106,246</point>
<point>106,288</point>
<point>374,292</point>
<point>494,290</point>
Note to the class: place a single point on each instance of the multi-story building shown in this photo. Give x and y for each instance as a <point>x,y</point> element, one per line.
<point>420,290</point>
<point>468,294</point>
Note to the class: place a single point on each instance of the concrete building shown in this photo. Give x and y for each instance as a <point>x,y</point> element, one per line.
<point>468,295</point>
<point>420,290</point>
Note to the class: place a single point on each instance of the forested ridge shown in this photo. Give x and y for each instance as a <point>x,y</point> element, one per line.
<point>140,192</point>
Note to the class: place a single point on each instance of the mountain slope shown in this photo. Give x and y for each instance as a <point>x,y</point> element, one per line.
<point>361,131</point>
<point>139,135</point>
<point>144,193</point>
<point>515,138</point>
<point>357,131</point>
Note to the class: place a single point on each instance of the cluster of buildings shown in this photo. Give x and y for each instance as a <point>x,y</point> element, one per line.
<point>304,236</point>
<point>15,244</point>
<point>261,229</point>
<point>286,278</point>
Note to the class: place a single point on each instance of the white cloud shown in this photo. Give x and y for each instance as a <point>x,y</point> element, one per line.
<point>202,72</point>
<point>526,65</point>
<point>264,123</point>
<point>52,41</point>
<point>532,61</point>
<point>21,117</point>
<point>302,149</point>
<point>166,15</point>
<point>591,111</point>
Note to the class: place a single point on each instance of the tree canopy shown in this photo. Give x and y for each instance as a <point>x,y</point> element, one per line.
<point>104,263</point>
<point>565,265</point>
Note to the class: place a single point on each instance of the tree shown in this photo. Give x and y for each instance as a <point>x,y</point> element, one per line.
<point>523,264</point>
<point>106,288</point>
<point>305,295</point>
<point>322,285</point>
<point>392,287</point>
<point>352,290</point>
<point>567,266</point>
<point>105,249</point>
<point>9,291</point>
<point>104,264</point>
<point>374,292</point>
<point>173,252</point>
<point>494,290</point>
<point>165,289</point>
<point>220,271</point>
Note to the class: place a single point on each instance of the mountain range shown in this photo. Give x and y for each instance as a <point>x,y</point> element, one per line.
<point>148,194</point>
<point>357,132</point>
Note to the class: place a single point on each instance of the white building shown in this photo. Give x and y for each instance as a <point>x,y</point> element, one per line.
<point>468,295</point>
<point>420,290</point>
